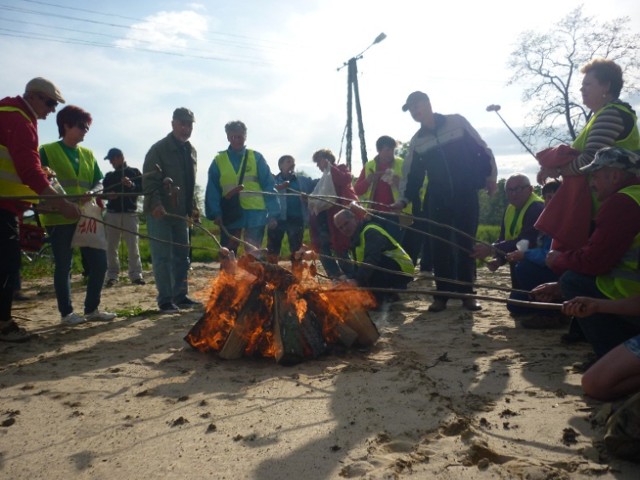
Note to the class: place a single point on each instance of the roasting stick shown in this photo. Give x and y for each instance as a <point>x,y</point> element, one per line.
<point>459,295</point>
<point>149,237</point>
<point>333,200</point>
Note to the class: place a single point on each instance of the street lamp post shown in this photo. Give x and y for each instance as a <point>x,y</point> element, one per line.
<point>354,92</point>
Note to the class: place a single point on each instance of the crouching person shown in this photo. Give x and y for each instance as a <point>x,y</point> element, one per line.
<point>373,246</point>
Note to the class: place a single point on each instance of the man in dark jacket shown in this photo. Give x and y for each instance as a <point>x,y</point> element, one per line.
<point>457,163</point>
<point>122,217</point>
<point>171,192</point>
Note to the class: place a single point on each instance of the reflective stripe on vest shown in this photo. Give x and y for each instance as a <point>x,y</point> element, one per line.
<point>370,167</point>
<point>624,280</point>
<point>229,180</point>
<point>10,181</point>
<point>631,142</point>
<point>72,182</point>
<point>397,254</point>
<point>510,213</point>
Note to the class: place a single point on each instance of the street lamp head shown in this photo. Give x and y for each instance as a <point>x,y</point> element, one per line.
<point>379,38</point>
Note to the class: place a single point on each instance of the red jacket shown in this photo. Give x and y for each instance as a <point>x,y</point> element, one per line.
<point>616,224</point>
<point>20,136</point>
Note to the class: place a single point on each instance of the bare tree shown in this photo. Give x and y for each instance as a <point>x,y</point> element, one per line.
<point>549,64</point>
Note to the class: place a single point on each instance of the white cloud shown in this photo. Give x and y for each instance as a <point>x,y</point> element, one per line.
<point>166,31</point>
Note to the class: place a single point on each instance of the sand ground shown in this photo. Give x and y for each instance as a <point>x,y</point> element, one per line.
<point>447,395</point>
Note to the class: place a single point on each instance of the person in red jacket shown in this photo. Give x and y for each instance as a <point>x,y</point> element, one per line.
<point>330,242</point>
<point>21,174</point>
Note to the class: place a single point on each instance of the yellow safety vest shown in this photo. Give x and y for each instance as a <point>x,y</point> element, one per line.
<point>624,280</point>
<point>73,184</point>
<point>631,142</point>
<point>371,167</point>
<point>510,213</point>
<point>10,182</point>
<point>397,254</point>
<point>229,180</point>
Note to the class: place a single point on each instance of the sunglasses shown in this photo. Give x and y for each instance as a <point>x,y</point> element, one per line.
<point>83,126</point>
<point>516,189</point>
<point>49,102</point>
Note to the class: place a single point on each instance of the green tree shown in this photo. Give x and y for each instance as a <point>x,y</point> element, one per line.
<point>492,207</point>
<point>549,64</point>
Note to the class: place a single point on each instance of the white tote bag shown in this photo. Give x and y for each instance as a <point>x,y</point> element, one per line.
<point>324,188</point>
<point>90,229</point>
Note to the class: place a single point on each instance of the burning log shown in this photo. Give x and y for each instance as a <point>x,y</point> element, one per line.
<point>311,328</point>
<point>360,322</point>
<point>265,310</point>
<point>246,323</point>
<point>287,334</point>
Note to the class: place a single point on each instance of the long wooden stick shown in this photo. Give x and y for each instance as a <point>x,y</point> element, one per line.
<point>460,295</point>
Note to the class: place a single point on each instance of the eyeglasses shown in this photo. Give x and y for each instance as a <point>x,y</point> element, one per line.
<point>49,102</point>
<point>82,126</point>
<point>517,189</point>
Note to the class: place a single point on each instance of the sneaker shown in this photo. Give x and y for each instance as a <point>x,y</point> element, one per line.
<point>98,316</point>
<point>168,308</point>
<point>110,283</point>
<point>73,319</point>
<point>138,281</point>
<point>11,332</point>
<point>186,302</point>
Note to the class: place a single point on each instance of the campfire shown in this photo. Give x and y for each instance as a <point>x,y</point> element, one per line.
<point>264,310</point>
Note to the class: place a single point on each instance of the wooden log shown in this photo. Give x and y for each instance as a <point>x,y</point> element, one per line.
<point>346,335</point>
<point>360,322</point>
<point>311,329</point>
<point>237,340</point>
<point>287,334</point>
<point>333,328</point>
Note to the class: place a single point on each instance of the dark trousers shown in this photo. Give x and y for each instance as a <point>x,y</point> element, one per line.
<point>418,245</point>
<point>10,264</point>
<point>603,331</point>
<point>451,247</point>
<point>293,228</point>
<point>527,275</point>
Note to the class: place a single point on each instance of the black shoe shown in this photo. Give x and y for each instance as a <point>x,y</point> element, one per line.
<point>138,281</point>
<point>438,305</point>
<point>169,308</point>
<point>110,283</point>
<point>471,304</point>
<point>186,302</point>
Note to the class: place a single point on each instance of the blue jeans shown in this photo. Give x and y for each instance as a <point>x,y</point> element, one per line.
<point>603,331</point>
<point>169,244</point>
<point>96,259</point>
<point>527,275</point>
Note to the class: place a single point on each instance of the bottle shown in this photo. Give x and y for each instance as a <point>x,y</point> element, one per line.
<point>53,181</point>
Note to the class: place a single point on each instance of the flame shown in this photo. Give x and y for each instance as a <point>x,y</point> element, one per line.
<point>241,305</point>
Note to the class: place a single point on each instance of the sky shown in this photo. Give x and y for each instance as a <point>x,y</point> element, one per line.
<point>274,65</point>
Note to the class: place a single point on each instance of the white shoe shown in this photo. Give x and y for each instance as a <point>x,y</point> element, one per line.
<point>98,316</point>
<point>73,319</point>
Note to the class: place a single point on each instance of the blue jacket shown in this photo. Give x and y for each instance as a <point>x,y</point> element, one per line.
<point>299,183</point>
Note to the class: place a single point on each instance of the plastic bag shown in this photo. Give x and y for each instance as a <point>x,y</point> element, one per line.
<point>323,189</point>
<point>90,229</point>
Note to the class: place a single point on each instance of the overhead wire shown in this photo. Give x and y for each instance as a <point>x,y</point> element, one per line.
<point>237,42</point>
